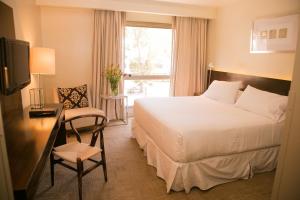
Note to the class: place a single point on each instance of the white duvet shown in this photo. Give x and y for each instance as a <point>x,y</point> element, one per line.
<point>188,129</point>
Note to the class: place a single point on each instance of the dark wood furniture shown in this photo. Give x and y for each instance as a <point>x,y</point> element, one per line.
<point>62,153</point>
<point>277,86</point>
<point>7,28</point>
<point>29,142</point>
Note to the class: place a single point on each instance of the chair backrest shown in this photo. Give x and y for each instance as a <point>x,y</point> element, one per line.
<point>56,100</point>
<point>96,129</point>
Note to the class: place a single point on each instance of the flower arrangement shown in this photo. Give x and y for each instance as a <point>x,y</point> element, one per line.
<point>113,74</point>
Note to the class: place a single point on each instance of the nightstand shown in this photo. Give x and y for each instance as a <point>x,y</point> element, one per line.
<point>119,117</point>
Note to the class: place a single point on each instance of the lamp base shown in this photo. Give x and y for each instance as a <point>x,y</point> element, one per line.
<point>36,98</point>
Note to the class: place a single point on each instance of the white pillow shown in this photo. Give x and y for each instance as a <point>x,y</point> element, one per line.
<point>223,91</point>
<point>264,103</point>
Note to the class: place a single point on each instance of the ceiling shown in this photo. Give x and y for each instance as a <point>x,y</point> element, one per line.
<point>191,8</point>
<point>199,2</point>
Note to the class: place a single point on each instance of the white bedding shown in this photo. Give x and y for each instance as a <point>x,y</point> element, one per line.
<point>188,129</point>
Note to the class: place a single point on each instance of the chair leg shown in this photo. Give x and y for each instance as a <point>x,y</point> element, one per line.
<point>104,165</point>
<point>79,175</point>
<point>103,155</point>
<point>52,168</point>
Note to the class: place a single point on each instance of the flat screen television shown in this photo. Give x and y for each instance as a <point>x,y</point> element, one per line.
<point>14,63</point>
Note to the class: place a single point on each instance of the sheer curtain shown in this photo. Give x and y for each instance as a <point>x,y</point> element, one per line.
<point>189,69</point>
<point>107,50</point>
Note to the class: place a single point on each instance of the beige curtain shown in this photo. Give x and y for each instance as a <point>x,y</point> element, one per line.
<point>107,50</point>
<point>189,69</point>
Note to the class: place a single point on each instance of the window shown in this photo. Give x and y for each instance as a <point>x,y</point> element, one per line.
<point>147,61</point>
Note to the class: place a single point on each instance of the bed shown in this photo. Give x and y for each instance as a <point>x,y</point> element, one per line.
<point>200,142</point>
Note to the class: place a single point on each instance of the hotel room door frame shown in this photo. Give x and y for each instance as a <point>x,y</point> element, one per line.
<point>287,178</point>
<point>6,191</point>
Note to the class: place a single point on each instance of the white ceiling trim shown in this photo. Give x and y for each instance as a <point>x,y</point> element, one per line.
<point>163,8</point>
<point>201,2</point>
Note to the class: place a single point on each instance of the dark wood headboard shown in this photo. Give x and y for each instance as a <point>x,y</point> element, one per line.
<point>277,86</point>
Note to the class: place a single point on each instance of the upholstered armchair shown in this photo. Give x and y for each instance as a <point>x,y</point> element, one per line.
<point>74,112</point>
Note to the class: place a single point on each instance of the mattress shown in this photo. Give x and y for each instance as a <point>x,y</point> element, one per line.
<point>188,129</point>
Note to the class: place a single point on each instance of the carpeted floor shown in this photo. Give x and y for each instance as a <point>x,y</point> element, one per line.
<point>130,178</point>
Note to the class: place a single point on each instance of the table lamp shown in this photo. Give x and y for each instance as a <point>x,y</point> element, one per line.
<point>42,62</point>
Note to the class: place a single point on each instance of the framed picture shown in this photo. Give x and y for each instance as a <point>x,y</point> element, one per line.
<point>275,35</point>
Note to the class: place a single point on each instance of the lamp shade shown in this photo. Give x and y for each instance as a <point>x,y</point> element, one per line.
<point>42,61</point>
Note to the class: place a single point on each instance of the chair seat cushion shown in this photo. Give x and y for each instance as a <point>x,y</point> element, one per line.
<point>82,111</point>
<point>74,150</point>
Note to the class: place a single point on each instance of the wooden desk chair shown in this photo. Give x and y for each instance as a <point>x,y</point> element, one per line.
<point>77,152</point>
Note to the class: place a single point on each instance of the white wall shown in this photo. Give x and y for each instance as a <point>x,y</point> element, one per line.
<point>229,38</point>
<point>70,32</point>
<point>27,27</point>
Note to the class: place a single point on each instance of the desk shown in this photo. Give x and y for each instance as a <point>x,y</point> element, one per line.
<point>123,100</point>
<point>29,142</point>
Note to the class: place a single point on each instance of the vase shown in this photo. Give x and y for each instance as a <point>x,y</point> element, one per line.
<point>114,86</point>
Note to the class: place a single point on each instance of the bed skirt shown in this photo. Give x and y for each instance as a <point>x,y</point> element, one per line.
<point>204,173</point>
